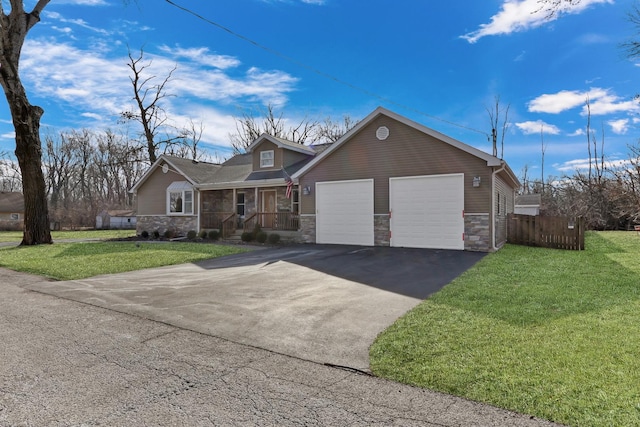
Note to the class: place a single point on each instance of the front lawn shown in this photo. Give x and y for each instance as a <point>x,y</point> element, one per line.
<point>551,333</point>
<point>16,236</point>
<point>68,261</point>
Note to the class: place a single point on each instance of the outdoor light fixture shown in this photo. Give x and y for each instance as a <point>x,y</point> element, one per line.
<point>476,181</point>
<point>306,190</point>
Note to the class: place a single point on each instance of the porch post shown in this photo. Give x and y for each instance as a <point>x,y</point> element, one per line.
<point>234,203</point>
<point>257,209</point>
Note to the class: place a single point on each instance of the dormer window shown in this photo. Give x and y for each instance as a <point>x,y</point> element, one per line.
<point>266,159</point>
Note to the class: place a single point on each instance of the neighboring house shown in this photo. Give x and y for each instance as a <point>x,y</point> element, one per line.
<point>528,204</point>
<point>11,211</point>
<point>116,219</point>
<point>389,181</point>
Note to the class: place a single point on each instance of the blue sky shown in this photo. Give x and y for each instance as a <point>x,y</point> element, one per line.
<point>439,63</point>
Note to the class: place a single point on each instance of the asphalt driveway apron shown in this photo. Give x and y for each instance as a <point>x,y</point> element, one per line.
<point>322,303</point>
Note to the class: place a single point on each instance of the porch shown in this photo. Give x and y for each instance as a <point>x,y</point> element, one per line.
<point>241,209</point>
<point>229,223</point>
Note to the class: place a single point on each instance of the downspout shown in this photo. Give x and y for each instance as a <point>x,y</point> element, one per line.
<point>493,204</point>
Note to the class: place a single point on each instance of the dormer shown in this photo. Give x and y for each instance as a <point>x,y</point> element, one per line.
<point>271,153</point>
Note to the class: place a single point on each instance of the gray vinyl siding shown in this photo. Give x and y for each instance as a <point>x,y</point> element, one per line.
<point>504,204</point>
<point>267,146</point>
<point>406,152</point>
<point>152,196</point>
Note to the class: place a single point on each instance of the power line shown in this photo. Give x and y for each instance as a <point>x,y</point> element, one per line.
<point>319,72</point>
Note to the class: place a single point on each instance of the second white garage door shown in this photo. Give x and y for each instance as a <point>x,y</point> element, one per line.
<point>427,211</point>
<point>344,212</point>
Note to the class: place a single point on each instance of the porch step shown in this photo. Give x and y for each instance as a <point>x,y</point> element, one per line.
<point>235,237</point>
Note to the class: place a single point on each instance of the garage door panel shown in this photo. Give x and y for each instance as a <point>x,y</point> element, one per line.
<point>345,212</point>
<point>427,211</point>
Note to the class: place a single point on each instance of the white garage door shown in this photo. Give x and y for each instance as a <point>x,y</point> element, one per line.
<point>344,212</point>
<point>427,211</point>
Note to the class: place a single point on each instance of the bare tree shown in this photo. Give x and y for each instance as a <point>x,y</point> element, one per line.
<point>89,172</point>
<point>553,7</point>
<point>192,135</point>
<point>149,111</point>
<point>632,47</point>
<point>330,131</point>
<point>249,128</point>
<point>10,177</point>
<point>499,119</point>
<point>543,150</point>
<point>14,27</point>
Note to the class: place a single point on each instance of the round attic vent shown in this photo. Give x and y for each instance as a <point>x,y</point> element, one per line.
<point>382,133</point>
<point>165,168</point>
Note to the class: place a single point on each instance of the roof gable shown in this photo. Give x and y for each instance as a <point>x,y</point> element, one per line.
<point>193,171</point>
<point>491,160</point>
<point>281,143</point>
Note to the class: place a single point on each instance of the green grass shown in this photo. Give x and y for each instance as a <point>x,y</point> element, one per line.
<point>69,261</point>
<point>551,333</point>
<point>16,236</point>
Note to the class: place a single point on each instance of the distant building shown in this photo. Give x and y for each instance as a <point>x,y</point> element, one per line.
<point>116,219</point>
<point>11,211</point>
<point>528,204</point>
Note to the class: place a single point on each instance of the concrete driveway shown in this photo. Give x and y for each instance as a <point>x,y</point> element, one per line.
<point>322,303</point>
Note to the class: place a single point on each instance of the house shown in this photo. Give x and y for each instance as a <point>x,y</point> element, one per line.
<point>11,211</point>
<point>528,204</point>
<point>116,219</point>
<point>389,181</point>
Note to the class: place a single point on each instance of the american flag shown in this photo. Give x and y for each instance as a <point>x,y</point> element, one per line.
<point>289,182</point>
<point>289,188</point>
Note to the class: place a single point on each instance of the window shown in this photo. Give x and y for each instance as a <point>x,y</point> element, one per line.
<point>15,217</point>
<point>266,159</point>
<point>180,198</point>
<point>295,201</point>
<point>240,204</point>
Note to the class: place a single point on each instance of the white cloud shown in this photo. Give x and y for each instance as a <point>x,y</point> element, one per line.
<point>610,104</point>
<point>93,85</point>
<point>602,101</point>
<point>583,164</point>
<point>620,126</point>
<point>202,56</point>
<point>522,15</point>
<point>531,127</point>
<point>84,2</point>
<point>578,132</point>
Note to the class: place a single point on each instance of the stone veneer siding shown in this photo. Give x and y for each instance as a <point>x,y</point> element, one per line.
<point>477,233</point>
<point>381,235</point>
<point>179,224</point>
<point>308,228</point>
<point>476,230</point>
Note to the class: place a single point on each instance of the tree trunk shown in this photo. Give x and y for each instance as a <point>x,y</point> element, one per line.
<point>26,120</point>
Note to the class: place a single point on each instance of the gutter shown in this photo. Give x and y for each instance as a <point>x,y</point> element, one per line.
<point>278,182</point>
<point>493,203</point>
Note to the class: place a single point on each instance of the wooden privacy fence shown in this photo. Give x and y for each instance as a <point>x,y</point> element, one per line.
<point>546,231</point>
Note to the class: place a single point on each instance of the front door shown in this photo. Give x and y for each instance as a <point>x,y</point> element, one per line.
<point>268,208</point>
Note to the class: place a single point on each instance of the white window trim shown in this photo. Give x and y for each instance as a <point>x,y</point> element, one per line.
<point>267,161</point>
<point>182,187</point>
<point>295,191</point>
<point>244,203</point>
